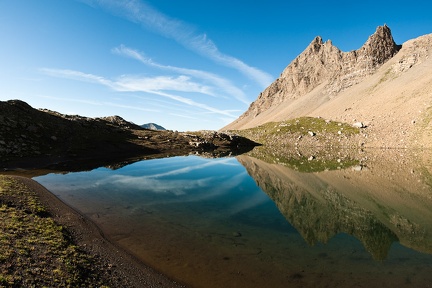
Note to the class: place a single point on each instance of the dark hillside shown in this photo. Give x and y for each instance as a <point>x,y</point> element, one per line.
<point>27,132</point>
<point>31,138</point>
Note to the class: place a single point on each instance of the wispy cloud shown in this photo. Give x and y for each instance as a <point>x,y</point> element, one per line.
<point>183,116</point>
<point>191,102</point>
<point>101,103</point>
<point>139,12</point>
<point>125,84</point>
<point>222,83</point>
<point>135,83</point>
<point>181,83</point>
<point>76,75</point>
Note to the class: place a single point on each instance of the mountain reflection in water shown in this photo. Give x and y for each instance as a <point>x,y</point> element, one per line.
<point>379,204</point>
<point>197,219</point>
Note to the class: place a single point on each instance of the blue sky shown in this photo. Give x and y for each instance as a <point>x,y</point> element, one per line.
<point>183,64</point>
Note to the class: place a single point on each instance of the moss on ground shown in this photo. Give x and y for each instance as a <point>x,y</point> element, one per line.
<point>319,128</point>
<point>34,250</point>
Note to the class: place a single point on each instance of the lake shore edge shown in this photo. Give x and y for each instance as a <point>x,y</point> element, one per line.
<point>125,270</point>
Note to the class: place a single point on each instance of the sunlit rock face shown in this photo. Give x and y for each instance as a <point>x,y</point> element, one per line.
<point>323,64</point>
<point>384,86</point>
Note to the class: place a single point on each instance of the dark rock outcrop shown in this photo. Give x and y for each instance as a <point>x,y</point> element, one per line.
<point>27,132</point>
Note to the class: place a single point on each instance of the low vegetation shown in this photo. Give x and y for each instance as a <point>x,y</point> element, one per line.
<point>34,250</point>
<point>305,144</point>
<point>306,130</point>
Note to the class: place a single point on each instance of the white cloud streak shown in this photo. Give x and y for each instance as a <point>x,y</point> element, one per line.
<point>147,85</point>
<point>101,103</point>
<point>190,102</point>
<point>139,12</point>
<point>181,83</point>
<point>183,116</point>
<point>134,83</point>
<point>221,83</point>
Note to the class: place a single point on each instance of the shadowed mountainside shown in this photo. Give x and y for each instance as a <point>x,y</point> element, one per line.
<point>31,138</point>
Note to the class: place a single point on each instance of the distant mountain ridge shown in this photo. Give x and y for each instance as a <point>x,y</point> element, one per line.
<point>375,84</point>
<point>152,126</point>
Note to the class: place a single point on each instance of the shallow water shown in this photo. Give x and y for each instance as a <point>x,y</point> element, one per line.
<point>245,222</point>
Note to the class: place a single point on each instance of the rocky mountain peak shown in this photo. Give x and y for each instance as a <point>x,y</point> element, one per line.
<point>316,44</point>
<point>152,126</point>
<point>380,46</point>
<point>323,64</point>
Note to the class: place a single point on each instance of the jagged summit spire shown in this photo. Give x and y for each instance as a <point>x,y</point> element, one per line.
<point>318,40</point>
<point>315,45</point>
<point>381,45</point>
<point>383,31</point>
<point>325,63</point>
<point>382,39</point>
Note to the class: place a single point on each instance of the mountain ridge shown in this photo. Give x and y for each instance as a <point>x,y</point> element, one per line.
<point>152,126</point>
<point>367,84</point>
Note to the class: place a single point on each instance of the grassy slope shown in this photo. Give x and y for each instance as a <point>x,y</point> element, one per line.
<point>305,144</point>
<point>304,129</point>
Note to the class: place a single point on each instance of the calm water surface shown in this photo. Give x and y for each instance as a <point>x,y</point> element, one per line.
<point>243,222</point>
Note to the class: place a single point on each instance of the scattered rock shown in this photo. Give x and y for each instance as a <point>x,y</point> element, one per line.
<point>357,168</point>
<point>358,125</point>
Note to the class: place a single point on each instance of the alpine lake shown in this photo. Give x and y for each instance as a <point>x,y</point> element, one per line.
<point>295,218</point>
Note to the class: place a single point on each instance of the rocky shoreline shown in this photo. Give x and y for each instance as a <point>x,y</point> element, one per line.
<point>35,142</point>
<point>110,266</point>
